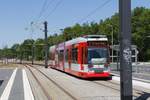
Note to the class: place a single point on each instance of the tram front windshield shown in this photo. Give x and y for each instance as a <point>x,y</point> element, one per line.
<point>97,54</point>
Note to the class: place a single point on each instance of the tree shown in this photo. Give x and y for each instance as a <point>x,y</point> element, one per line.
<point>16,50</point>
<point>26,48</point>
<point>140,33</point>
<point>39,49</point>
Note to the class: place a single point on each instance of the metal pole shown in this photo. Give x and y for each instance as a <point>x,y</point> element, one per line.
<point>21,57</point>
<point>125,49</point>
<point>112,43</point>
<point>46,45</point>
<point>32,53</point>
<point>136,56</point>
<point>136,60</point>
<point>33,43</point>
<point>118,60</point>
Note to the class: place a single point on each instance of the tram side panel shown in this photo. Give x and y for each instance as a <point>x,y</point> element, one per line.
<point>73,65</point>
<point>73,58</point>
<point>74,62</point>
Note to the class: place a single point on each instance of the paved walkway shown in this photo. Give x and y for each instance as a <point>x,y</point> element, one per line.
<point>13,85</point>
<point>19,84</point>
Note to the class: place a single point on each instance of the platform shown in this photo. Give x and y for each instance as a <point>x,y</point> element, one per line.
<point>27,83</point>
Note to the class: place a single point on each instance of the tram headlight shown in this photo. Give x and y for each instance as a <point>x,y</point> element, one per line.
<point>106,68</point>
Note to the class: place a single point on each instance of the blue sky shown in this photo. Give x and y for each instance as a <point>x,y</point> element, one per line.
<point>16,16</point>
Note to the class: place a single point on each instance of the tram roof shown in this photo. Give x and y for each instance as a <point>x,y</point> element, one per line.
<point>87,38</point>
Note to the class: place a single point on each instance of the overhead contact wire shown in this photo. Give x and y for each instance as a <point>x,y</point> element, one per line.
<point>53,10</point>
<point>95,10</point>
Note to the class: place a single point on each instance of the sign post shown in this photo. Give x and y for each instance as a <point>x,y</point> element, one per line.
<point>125,50</point>
<point>46,45</point>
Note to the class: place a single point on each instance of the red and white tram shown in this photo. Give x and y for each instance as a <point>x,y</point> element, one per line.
<point>85,57</point>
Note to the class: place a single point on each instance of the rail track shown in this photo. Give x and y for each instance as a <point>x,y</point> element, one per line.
<point>51,80</point>
<point>116,87</point>
<point>39,83</point>
<point>108,84</point>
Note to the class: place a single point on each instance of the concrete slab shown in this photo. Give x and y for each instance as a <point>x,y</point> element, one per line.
<point>5,75</point>
<point>36,89</point>
<point>17,92</point>
<point>28,94</point>
<point>7,90</point>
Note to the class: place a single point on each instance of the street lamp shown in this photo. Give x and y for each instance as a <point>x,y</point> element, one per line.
<point>62,30</point>
<point>33,43</point>
<point>33,48</point>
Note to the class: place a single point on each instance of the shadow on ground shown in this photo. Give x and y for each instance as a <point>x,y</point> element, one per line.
<point>1,81</point>
<point>144,96</point>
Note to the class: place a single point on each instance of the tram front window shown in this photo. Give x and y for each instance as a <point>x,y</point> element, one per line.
<point>97,55</point>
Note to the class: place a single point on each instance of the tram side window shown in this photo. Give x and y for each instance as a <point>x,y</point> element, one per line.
<point>60,55</point>
<point>74,55</point>
<point>66,55</point>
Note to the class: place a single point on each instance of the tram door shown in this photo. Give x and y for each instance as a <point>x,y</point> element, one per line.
<point>69,58</point>
<point>82,56</point>
<point>56,59</point>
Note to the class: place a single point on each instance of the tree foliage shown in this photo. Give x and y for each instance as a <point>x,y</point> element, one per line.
<point>140,33</point>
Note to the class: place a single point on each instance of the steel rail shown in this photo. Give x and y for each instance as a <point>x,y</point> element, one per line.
<point>60,87</point>
<point>39,83</point>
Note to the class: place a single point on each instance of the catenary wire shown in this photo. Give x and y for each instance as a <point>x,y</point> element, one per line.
<point>94,11</point>
<point>47,6</point>
<point>43,8</point>
<point>53,10</point>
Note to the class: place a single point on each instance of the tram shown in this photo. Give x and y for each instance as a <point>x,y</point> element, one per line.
<point>85,57</point>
